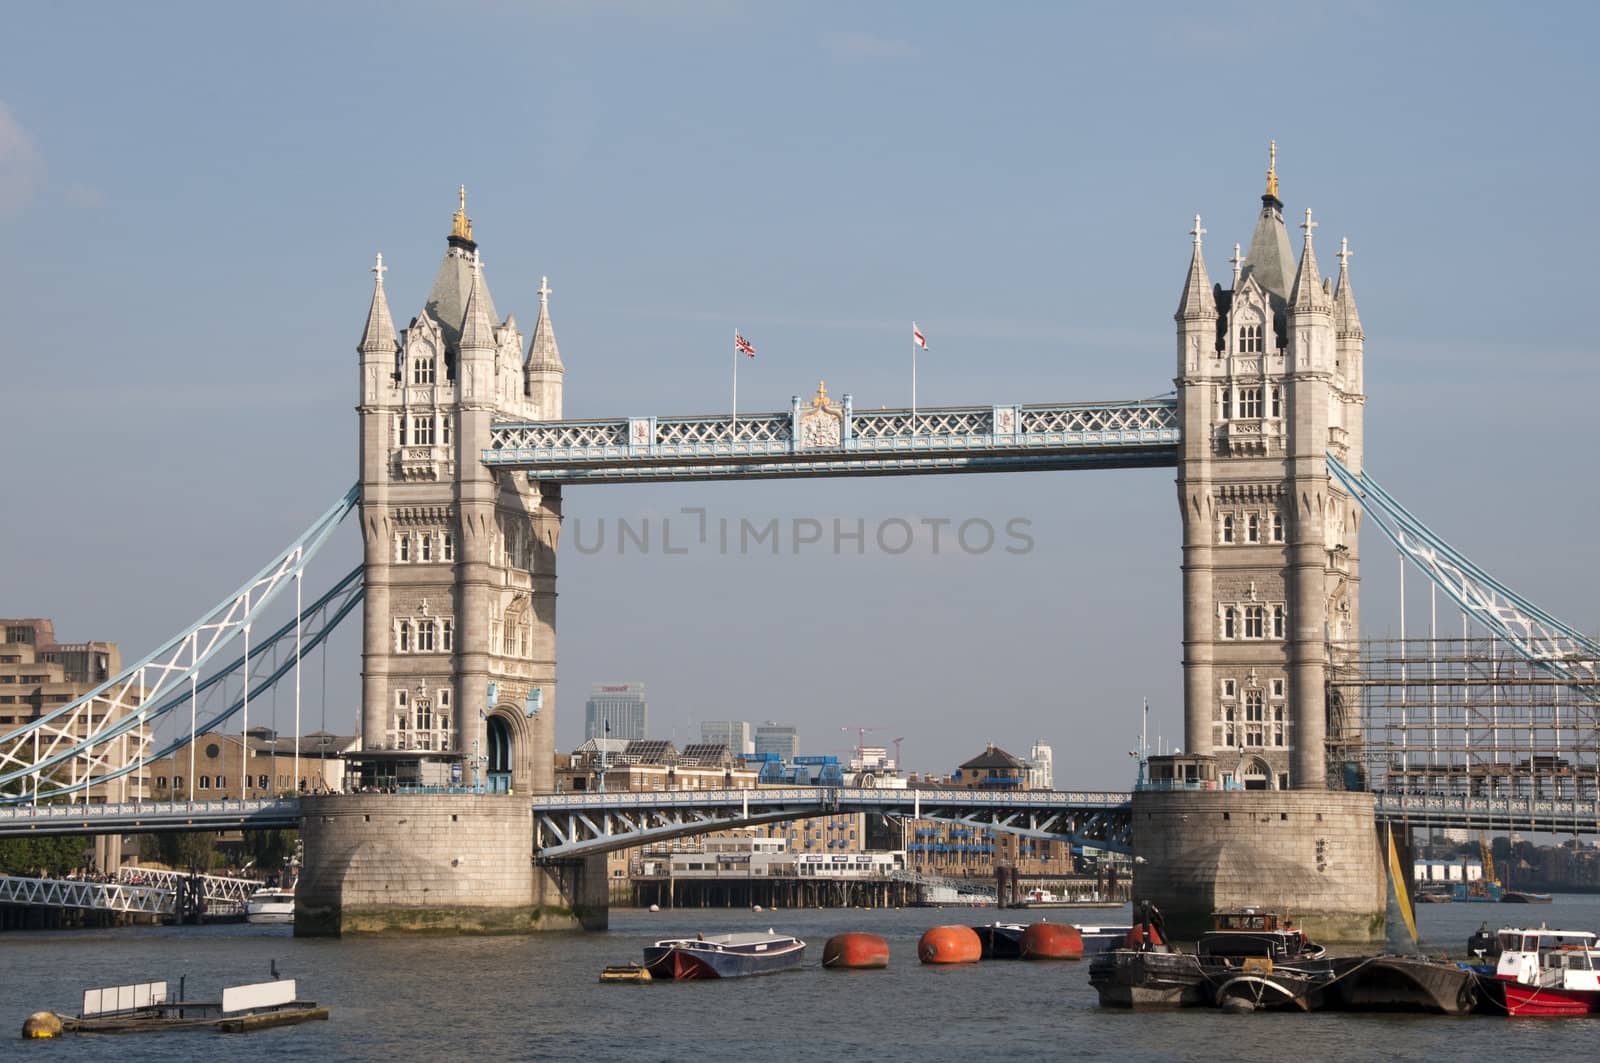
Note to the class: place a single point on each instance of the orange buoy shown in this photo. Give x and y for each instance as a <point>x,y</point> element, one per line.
<point>856,952</point>
<point>1052,941</point>
<point>950,944</point>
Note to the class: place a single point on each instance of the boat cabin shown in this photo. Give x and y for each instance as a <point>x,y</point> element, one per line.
<point>1245,919</point>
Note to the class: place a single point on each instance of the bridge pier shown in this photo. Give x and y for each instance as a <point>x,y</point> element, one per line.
<point>1311,856</point>
<point>459,863</point>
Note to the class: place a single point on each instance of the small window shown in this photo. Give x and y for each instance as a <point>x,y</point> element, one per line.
<point>264,782</point>
<point>222,782</point>
<point>1254,622</point>
<point>1277,688</point>
<point>1250,339</point>
<point>1279,624</point>
<point>1277,527</point>
<point>1227,403</point>
<point>177,783</point>
<point>446,636</point>
<point>1227,528</point>
<point>1230,619</point>
<point>1229,688</point>
<point>205,782</point>
<point>424,637</point>
<point>403,548</point>
<point>444,428</point>
<point>1250,403</point>
<point>422,370</point>
<point>404,639</point>
<point>422,430</point>
<point>1277,402</point>
<point>1252,528</point>
<point>447,548</point>
<point>425,547</point>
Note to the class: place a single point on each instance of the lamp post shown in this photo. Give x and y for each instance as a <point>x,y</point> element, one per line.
<point>477,763</point>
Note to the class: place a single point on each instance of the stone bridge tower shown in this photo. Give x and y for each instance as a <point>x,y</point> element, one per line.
<point>458,657</point>
<point>1269,380</point>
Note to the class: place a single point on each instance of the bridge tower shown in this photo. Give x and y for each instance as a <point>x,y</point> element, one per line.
<point>1269,380</point>
<point>458,656</point>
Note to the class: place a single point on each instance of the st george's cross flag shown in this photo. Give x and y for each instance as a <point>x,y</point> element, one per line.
<point>917,337</point>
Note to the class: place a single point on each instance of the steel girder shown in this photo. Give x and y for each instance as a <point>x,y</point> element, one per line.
<point>255,813</point>
<point>217,887</point>
<point>94,732</point>
<point>1138,434</point>
<point>573,825</point>
<point>1491,813</point>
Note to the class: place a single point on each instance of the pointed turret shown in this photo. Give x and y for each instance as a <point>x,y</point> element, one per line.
<point>447,299</point>
<point>1345,318</point>
<point>543,352</point>
<point>379,335</point>
<point>1198,300</point>
<point>1270,254</point>
<point>477,324</point>
<point>1308,293</point>
<point>543,369</point>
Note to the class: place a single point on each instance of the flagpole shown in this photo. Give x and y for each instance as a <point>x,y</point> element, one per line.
<point>913,378</point>
<point>735,379</point>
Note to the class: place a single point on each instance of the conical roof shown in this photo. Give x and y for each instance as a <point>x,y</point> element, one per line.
<point>1308,293</point>
<point>1270,255</point>
<point>379,334</point>
<point>1344,299</point>
<point>1197,300</point>
<point>543,352</point>
<point>447,300</point>
<point>477,320</point>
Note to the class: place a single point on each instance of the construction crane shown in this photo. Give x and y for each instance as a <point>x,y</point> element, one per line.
<point>861,738</point>
<point>897,741</point>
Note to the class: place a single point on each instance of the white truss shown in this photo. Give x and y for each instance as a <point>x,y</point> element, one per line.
<point>93,896</point>
<point>1492,813</point>
<point>217,887</point>
<point>104,735</point>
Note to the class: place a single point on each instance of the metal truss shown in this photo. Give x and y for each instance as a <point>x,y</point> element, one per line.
<point>217,887</point>
<point>881,442</point>
<point>1498,814</point>
<point>94,896</point>
<point>1529,630</point>
<point>254,813</point>
<point>568,826</point>
<point>104,735</point>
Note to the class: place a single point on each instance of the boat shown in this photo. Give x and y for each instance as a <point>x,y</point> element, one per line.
<point>1001,941</point>
<point>1240,933</point>
<point>1398,983</point>
<point>1545,972</point>
<point>1097,939</point>
<point>145,1007</point>
<point>1144,972</point>
<point>723,956</point>
<point>274,904</point>
<point>1525,897</point>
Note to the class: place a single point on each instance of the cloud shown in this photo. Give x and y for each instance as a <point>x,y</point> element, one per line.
<point>83,196</point>
<point>21,165</point>
<point>856,47</point>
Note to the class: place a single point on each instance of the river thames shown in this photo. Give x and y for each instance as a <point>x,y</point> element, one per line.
<point>537,998</point>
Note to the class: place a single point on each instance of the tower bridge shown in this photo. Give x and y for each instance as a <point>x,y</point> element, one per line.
<point>464,458</point>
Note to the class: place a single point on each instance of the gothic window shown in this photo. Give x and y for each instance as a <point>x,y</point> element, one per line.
<point>1252,528</point>
<point>422,370</point>
<point>1250,403</point>
<point>424,715</point>
<point>1280,617</point>
<point>1227,528</point>
<point>222,782</point>
<point>403,547</point>
<point>1254,717</point>
<point>444,429</point>
<point>1277,402</point>
<point>205,782</point>
<point>1231,737</point>
<point>1229,688</point>
<point>404,638</point>
<point>1230,619</point>
<point>422,430</point>
<point>447,636</point>
<point>399,430</point>
<point>1277,527</point>
<point>1249,339</point>
<point>1277,688</point>
<point>496,639</point>
<point>425,546</point>
<point>1227,403</point>
<point>424,637</point>
<point>401,700</point>
<point>1254,616</point>
<point>447,547</point>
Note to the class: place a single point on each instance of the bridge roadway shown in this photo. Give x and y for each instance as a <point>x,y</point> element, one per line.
<point>571,825</point>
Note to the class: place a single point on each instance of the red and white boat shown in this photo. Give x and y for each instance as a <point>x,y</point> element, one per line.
<point>1548,972</point>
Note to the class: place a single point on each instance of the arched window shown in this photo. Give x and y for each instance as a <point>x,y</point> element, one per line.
<point>1252,528</point>
<point>424,636</point>
<point>447,636</point>
<point>1254,622</point>
<point>425,546</point>
<point>422,430</point>
<point>423,369</point>
<point>402,551</point>
<point>404,640</point>
<point>1249,339</point>
<point>1230,622</point>
<point>1280,617</point>
<point>1277,402</point>
<point>1250,403</point>
<point>205,782</point>
<point>1277,527</point>
<point>1227,403</point>
<point>1227,528</point>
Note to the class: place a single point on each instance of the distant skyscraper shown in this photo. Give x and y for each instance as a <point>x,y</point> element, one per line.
<point>619,704</point>
<point>735,734</point>
<point>1041,767</point>
<point>779,738</point>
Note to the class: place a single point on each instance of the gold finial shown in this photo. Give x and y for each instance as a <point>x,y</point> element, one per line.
<point>1272,170</point>
<point>462,226</point>
<point>822,401</point>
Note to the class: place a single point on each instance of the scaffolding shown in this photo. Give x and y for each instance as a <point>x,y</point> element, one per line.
<point>1464,717</point>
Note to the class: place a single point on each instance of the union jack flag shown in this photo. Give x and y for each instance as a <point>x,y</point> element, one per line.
<point>742,345</point>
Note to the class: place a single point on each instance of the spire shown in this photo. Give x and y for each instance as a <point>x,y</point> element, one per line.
<point>1346,320</point>
<point>1270,255</point>
<point>1237,260</point>
<point>379,335</point>
<point>461,225</point>
<point>477,327</point>
<point>543,352</point>
<point>1197,300</point>
<point>1308,293</point>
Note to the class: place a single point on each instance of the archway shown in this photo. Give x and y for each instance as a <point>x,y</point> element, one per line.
<point>500,754</point>
<point>1255,775</point>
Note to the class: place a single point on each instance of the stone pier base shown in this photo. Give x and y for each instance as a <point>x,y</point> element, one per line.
<point>454,863</point>
<point>1310,855</point>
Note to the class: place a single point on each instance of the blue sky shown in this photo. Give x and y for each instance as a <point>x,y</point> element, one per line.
<point>191,195</point>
